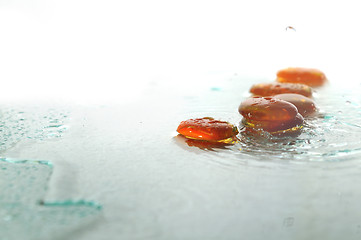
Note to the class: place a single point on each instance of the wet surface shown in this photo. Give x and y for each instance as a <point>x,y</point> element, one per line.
<point>333,134</point>
<point>22,122</point>
<point>25,214</point>
<point>154,184</point>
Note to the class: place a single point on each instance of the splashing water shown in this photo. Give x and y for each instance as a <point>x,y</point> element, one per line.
<point>333,135</point>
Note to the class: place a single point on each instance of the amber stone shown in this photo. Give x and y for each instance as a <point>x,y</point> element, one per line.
<point>207,129</point>
<point>309,76</point>
<point>267,109</point>
<point>304,105</point>
<point>274,88</point>
<point>276,126</point>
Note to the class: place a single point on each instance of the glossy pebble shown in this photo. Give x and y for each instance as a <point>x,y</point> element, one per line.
<point>309,76</point>
<point>267,109</point>
<point>207,129</point>
<point>274,88</point>
<point>304,105</point>
<point>276,126</point>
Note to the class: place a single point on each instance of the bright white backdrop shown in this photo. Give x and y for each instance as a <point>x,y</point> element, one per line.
<point>95,51</point>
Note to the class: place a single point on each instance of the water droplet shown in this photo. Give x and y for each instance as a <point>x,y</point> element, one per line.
<point>34,123</point>
<point>288,28</point>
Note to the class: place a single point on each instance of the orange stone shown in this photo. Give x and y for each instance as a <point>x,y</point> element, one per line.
<point>275,126</point>
<point>270,114</point>
<point>207,129</point>
<point>304,105</point>
<point>267,109</point>
<point>274,88</point>
<point>309,76</point>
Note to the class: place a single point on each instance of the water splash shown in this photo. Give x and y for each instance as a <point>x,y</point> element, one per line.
<point>332,135</point>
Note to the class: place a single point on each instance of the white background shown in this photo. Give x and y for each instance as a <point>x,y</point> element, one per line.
<point>96,51</point>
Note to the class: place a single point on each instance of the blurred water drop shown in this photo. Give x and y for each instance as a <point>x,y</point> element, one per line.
<point>290,28</point>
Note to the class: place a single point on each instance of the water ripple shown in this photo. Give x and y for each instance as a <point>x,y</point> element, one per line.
<point>334,135</point>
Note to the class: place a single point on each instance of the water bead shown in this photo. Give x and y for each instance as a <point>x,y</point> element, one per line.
<point>309,76</point>
<point>207,129</point>
<point>267,109</point>
<point>274,88</point>
<point>304,105</point>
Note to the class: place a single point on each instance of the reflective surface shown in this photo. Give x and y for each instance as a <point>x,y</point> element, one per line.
<point>154,184</point>
<point>24,213</point>
<point>21,122</point>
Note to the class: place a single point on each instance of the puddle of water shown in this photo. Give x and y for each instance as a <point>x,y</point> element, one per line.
<point>23,212</point>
